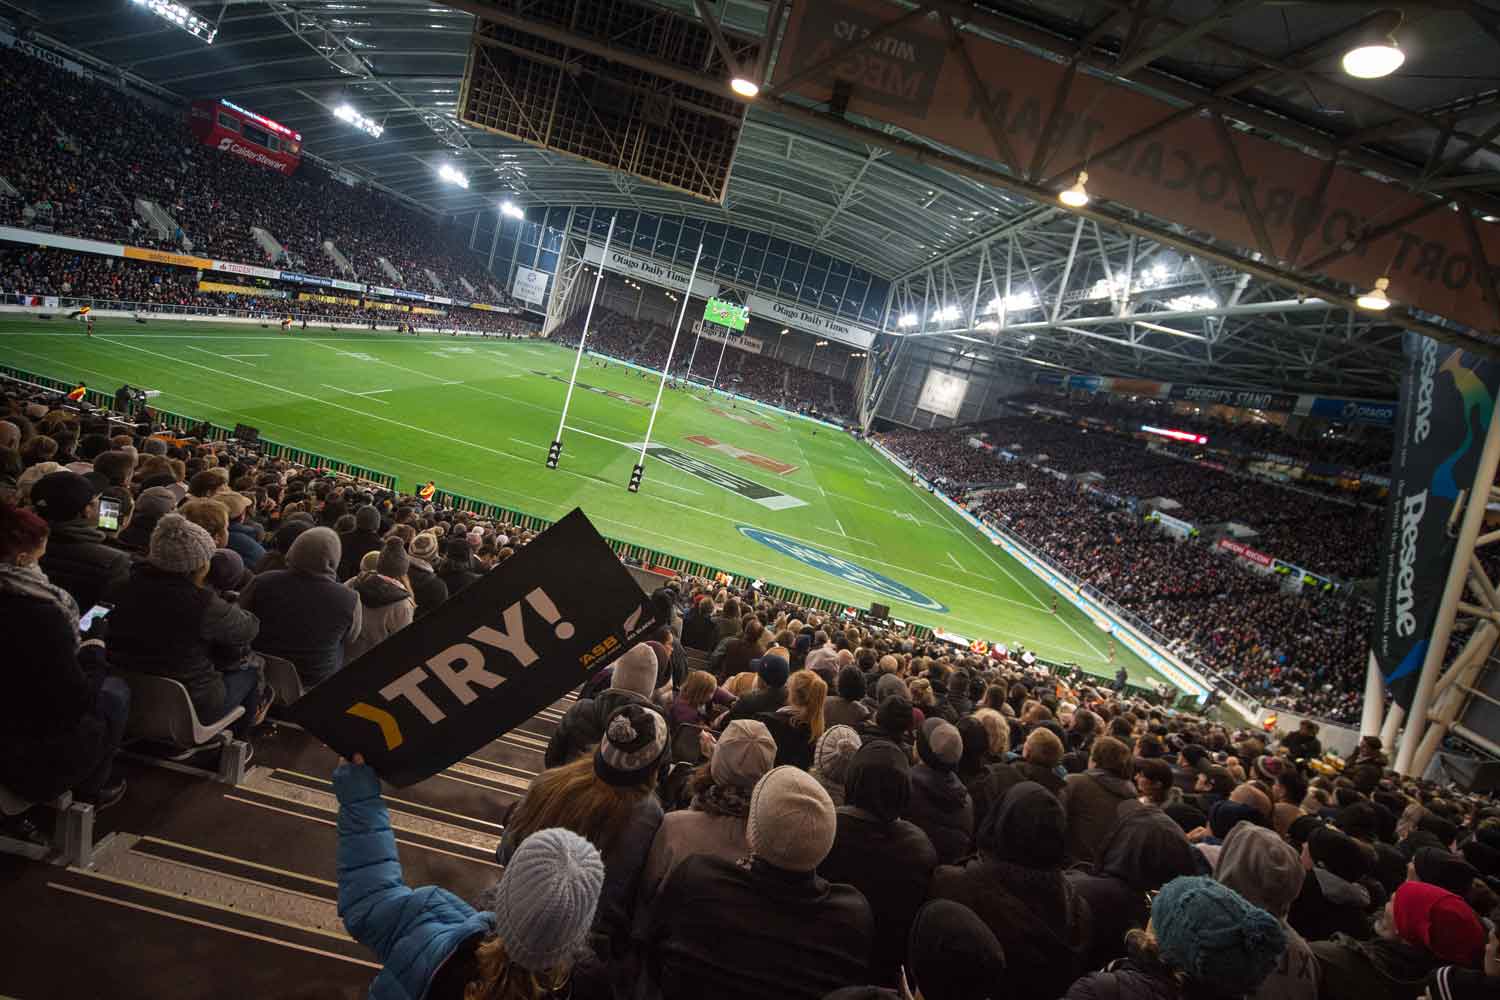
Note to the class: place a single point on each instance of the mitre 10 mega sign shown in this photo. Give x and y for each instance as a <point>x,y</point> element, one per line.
<point>493,656</point>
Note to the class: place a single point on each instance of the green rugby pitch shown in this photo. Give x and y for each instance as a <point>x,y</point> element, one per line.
<point>745,488</point>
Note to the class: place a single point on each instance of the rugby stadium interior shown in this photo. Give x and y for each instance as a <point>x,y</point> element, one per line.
<point>666,499</point>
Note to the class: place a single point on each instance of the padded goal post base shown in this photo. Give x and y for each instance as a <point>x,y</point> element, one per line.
<point>635,478</point>
<point>554,452</point>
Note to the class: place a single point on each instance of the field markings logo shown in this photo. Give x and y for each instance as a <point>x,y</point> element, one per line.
<point>741,418</point>
<point>749,489</point>
<point>760,461</point>
<point>594,388</point>
<point>842,568</point>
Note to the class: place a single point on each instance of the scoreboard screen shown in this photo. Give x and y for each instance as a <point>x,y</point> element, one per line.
<point>735,317</point>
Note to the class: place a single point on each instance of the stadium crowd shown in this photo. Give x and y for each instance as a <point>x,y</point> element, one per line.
<point>80,152</point>
<point>1304,652</point>
<point>753,375</point>
<point>866,814</point>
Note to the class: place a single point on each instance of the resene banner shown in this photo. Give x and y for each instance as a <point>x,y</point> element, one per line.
<point>1447,401</point>
<point>504,648</point>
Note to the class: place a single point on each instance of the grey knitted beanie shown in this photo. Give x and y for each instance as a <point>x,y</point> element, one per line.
<point>544,904</point>
<point>179,546</point>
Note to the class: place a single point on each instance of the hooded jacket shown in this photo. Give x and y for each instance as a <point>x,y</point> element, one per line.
<point>1378,969</point>
<point>699,631</point>
<point>997,779</point>
<point>386,608</point>
<point>430,591</point>
<point>940,805</point>
<point>1268,872</point>
<point>1016,886</point>
<point>411,931</point>
<point>306,615</point>
<point>1093,801</point>
<point>1144,852</point>
<point>1329,905</point>
<point>887,858</point>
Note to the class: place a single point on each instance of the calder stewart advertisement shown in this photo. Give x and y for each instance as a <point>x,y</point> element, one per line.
<point>1447,400</point>
<point>508,646</point>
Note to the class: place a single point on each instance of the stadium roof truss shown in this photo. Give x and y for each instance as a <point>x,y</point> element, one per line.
<point>1115,291</point>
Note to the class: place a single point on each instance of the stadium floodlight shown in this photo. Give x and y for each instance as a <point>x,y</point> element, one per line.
<point>1375,300</point>
<point>511,210</point>
<point>1373,61</point>
<point>453,175</point>
<point>1076,196</point>
<point>746,88</point>
<point>346,113</point>
<point>182,17</point>
<point>947,314</point>
<point>909,319</point>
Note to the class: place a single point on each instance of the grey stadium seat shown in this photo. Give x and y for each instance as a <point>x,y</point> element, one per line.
<point>161,711</point>
<point>72,830</point>
<point>283,678</point>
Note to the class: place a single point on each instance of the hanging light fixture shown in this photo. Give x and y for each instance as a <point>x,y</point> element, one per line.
<point>1374,60</point>
<point>745,87</point>
<point>1076,196</point>
<point>1375,300</point>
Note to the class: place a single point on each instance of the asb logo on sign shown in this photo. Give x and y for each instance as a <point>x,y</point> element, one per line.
<point>842,568</point>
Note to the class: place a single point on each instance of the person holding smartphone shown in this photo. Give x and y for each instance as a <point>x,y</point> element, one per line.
<point>62,718</point>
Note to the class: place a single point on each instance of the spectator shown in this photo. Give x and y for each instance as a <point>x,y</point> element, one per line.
<point>77,558</point>
<point>1144,852</point>
<point>940,805</point>
<point>698,628</point>
<point>1332,899</point>
<point>167,622</point>
<point>806,937</point>
<point>694,702</point>
<point>1204,940</point>
<point>632,682</point>
<point>1421,928</point>
<point>429,590</point>
<point>62,718</point>
<point>847,707</point>
<point>879,852</point>
<point>798,725</point>
<point>244,537</point>
<point>1267,872</point>
<point>610,800</point>
<point>150,507</point>
<point>364,538</point>
<point>386,602</point>
<point>433,944</point>
<point>772,669</point>
<point>1095,799</point>
<point>306,616</point>
<point>1040,756</point>
<point>714,824</point>
<point>459,568</point>
<point>834,751</point>
<point>1015,884</point>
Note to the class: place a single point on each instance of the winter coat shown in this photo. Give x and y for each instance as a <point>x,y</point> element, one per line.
<point>1123,983</point>
<point>699,631</point>
<point>1093,801</point>
<point>1330,905</point>
<point>794,743</point>
<point>732,932</point>
<point>582,725</point>
<point>1255,863</point>
<point>411,931</point>
<point>386,608</point>
<point>941,808</point>
<point>50,738</point>
<point>429,591</point>
<point>724,627</point>
<point>1301,747</point>
<point>305,618</point>
<point>353,545</point>
<point>78,561</point>
<point>243,540</point>
<point>456,575</point>
<point>1379,969</point>
<point>685,833</point>
<point>841,712</point>
<point>624,861</point>
<point>165,624</point>
<point>754,704</point>
<point>891,864</point>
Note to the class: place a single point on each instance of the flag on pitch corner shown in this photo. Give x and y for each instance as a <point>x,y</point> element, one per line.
<point>1447,400</point>
<point>504,648</point>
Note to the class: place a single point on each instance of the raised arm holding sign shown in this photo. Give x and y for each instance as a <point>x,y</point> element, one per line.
<point>489,659</point>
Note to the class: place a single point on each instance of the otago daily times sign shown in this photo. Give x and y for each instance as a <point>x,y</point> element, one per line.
<point>506,647</point>
<point>1447,402</point>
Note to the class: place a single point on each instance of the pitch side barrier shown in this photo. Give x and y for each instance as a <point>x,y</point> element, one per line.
<point>181,422</point>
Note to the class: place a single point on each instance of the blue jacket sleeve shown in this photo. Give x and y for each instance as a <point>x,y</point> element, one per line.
<point>371,891</point>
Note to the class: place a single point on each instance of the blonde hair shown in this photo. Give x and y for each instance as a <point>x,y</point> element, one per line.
<point>805,694</point>
<point>210,515</point>
<point>502,979</point>
<point>921,692</point>
<point>995,728</point>
<point>698,688</point>
<point>742,684</point>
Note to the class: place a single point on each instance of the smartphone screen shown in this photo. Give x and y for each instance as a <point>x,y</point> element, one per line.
<point>93,614</point>
<point>109,514</point>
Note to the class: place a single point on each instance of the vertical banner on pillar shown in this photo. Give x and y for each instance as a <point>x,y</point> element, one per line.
<point>1447,401</point>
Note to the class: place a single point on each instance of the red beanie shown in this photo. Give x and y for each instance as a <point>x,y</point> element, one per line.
<point>1439,921</point>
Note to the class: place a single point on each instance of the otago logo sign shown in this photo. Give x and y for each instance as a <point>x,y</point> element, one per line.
<point>845,570</point>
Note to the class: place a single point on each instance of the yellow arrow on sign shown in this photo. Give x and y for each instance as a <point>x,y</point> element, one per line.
<point>389,728</point>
